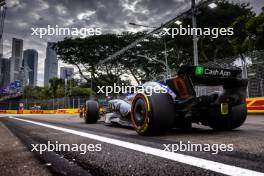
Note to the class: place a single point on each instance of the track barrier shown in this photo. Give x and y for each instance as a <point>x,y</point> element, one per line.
<point>58,111</point>
<point>254,105</point>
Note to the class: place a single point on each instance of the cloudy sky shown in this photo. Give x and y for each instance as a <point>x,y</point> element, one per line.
<point>110,15</point>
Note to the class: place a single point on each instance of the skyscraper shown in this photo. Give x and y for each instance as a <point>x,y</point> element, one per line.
<point>16,59</point>
<point>30,63</point>
<point>4,72</point>
<point>51,64</point>
<point>66,72</point>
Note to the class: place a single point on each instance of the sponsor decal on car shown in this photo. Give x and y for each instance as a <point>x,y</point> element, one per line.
<point>199,71</point>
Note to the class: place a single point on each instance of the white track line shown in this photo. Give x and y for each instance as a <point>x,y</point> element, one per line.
<point>190,160</point>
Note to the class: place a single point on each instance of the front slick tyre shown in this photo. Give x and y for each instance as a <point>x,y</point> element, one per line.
<point>91,114</point>
<point>152,115</point>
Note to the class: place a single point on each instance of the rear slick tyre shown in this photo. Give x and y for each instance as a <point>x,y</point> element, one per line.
<point>152,115</point>
<point>234,120</point>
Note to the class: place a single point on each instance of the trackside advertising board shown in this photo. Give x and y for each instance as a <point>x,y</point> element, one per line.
<point>254,105</point>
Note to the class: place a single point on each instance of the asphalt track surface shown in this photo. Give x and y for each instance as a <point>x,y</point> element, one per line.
<point>124,152</point>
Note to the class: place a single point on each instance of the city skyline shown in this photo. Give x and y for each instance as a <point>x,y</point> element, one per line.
<point>112,16</point>
<point>23,65</point>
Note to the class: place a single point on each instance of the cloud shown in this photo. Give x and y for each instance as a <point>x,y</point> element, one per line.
<point>110,15</point>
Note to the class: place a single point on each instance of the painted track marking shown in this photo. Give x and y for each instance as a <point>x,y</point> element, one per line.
<point>181,158</point>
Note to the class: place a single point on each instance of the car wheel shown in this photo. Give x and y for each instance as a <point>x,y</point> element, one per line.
<point>231,121</point>
<point>91,114</point>
<point>153,114</point>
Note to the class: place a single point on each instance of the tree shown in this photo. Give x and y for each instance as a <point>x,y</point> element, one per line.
<point>80,91</point>
<point>56,87</point>
<point>210,48</point>
<point>240,39</point>
<point>248,34</point>
<point>44,93</point>
<point>27,92</point>
<point>87,53</point>
<point>30,92</point>
<point>255,29</point>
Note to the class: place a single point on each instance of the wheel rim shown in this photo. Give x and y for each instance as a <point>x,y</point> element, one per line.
<point>139,112</point>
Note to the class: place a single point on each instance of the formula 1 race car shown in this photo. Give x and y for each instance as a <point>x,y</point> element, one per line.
<point>179,105</point>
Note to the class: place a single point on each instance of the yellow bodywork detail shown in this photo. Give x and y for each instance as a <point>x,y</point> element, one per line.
<point>224,108</point>
<point>102,110</point>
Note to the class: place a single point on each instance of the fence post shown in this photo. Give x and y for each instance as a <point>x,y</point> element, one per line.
<point>73,102</point>
<point>69,102</point>
<point>53,103</point>
<point>261,88</point>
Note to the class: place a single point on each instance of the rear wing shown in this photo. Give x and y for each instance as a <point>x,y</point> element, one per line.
<point>209,76</point>
<point>209,71</point>
<point>190,76</point>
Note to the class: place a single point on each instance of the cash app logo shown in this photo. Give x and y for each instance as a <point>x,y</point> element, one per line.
<point>199,71</point>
